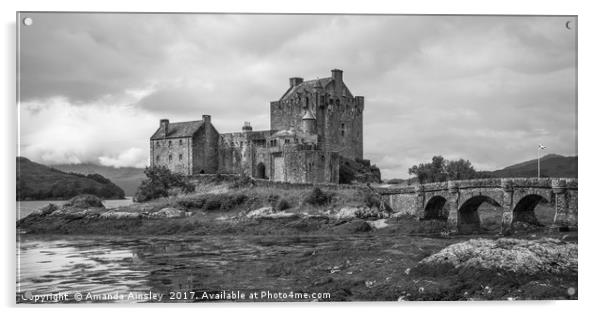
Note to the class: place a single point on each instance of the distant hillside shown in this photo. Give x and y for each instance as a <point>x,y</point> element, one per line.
<point>553,166</point>
<point>39,182</point>
<point>127,178</point>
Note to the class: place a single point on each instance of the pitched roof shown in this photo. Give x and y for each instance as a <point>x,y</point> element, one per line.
<point>308,115</point>
<point>307,85</point>
<point>179,129</point>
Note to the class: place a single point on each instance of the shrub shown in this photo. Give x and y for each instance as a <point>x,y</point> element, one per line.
<point>242,182</point>
<point>318,197</point>
<point>159,182</point>
<point>282,205</point>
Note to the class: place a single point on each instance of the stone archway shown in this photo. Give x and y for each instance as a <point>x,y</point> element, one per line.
<point>524,210</point>
<point>435,209</point>
<point>469,220</point>
<point>260,171</point>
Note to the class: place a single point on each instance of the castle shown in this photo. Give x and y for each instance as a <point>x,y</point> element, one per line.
<point>312,126</point>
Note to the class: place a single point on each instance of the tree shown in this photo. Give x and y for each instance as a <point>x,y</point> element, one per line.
<point>460,169</point>
<point>440,169</point>
<point>159,180</point>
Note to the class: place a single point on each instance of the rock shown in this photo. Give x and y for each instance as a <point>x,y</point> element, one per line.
<point>345,213</point>
<point>168,212</point>
<point>354,226</point>
<point>45,210</point>
<point>84,201</point>
<point>269,212</point>
<point>529,257</point>
<point>260,212</point>
<point>113,214</point>
<point>378,224</point>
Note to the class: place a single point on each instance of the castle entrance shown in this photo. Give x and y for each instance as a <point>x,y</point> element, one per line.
<point>260,171</point>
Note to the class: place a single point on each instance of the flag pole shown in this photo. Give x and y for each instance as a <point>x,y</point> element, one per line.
<point>538,158</point>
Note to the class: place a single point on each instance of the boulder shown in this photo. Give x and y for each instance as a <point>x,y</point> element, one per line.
<point>113,214</point>
<point>48,209</point>
<point>354,226</point>
<point>84,201</point>
<point>378,224</point>
<point>525,257</point>
<point>261,212</point>
<point>346,212</point>
<point>168,212</point>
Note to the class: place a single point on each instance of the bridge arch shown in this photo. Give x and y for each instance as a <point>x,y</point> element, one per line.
<point>435,208</point>
<point>524,210</point>
<point>468,213</point>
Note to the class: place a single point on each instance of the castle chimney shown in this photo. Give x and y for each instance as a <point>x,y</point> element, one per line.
<point>337,75</point>
<point>164,124</point>
<point>247,127</point>
<point>206,118</point>
<point>295,81</point>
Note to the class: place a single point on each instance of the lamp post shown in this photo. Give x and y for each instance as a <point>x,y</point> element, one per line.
<point>539,149</point>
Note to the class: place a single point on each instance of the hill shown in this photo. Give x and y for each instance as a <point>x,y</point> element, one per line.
<point>39,182</point>
<point>127,178</point>
<point>552,165</point>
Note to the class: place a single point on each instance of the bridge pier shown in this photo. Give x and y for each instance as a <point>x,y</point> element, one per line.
<point>566,205</point>
<point>453,198</point>
<point>507,206</point>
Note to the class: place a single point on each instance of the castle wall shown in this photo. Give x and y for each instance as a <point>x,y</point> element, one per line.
<point>205,148</point>
<point>173,153</point>
<point>305,166</point>
<point>238,151</point>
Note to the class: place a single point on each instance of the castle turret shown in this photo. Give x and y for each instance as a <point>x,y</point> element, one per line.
<point>309,122</point>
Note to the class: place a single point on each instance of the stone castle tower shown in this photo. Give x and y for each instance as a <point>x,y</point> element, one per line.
<point>338,114</point>
<point>312,126</point>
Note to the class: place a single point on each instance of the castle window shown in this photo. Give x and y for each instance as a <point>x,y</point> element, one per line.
<point>180,143</point>
<point>306,101</point>
<point>287,141</point>
<point>321,100</point>
<point>180,157</point>
<point>157,158</point>
<point>158,143</point>
<point>342,129</point>
<point>330,101</point>
<point>170,158</point>
<point>169,144</point>
<point>338,102</point>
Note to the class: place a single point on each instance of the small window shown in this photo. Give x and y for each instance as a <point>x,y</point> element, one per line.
<point>158,143</point>
<point>181,144</point>
<point>157,158</point>
<point>169,144</point>
<point>286,141</point>
<point>170,158</point>
<point>180,157</point>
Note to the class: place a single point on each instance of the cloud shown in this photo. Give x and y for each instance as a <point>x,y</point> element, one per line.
<point>484,88</point>
<point>132,157</point>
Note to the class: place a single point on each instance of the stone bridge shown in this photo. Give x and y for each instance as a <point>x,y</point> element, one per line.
<point>457,202</point>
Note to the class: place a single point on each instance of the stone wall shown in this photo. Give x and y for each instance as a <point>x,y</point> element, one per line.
<point>205,150</point>
<point>173,153</point>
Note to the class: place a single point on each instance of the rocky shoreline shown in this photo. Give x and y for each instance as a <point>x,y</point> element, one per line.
<point>531,265</point>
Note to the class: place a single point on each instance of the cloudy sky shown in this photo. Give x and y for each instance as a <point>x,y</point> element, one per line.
<point>489,89</point>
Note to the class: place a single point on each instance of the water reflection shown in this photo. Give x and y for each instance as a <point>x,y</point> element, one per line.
<point>102,266</point>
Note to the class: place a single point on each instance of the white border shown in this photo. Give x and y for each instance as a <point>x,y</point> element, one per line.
<point>589,148</point>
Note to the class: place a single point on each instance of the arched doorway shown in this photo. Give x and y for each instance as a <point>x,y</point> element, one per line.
<point>260,171</point>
